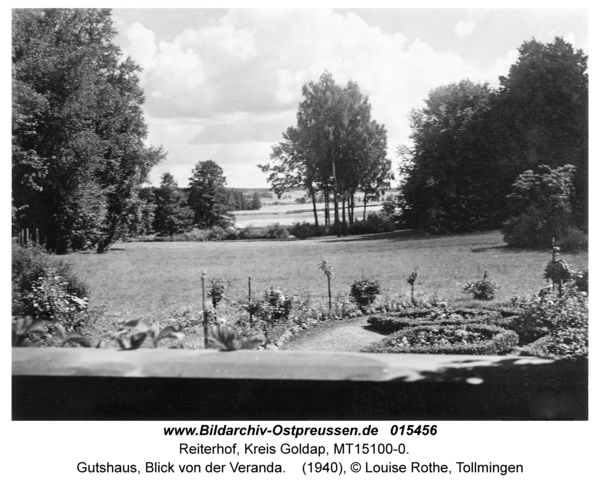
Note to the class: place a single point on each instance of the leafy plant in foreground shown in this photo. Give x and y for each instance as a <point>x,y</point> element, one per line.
<point>136,340</point>
<point>24,327</point>
<point>226,338</point>
<point>74,339</point>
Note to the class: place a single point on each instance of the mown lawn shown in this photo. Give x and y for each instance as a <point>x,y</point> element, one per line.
<point>144,279</point>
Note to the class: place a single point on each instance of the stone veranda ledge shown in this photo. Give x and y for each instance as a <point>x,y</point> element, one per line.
<point>77,383</point>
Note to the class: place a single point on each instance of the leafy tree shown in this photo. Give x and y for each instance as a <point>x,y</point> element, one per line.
<point>208,197</point>
<point>172,214</point>
<point>335,149</point>
<point>541,115</point>
<point>295,167</point>
<point>78,150</point>
<point>471,143</point>
<point>141,218</point>
<point>543,204</point>
<point>447,185</point>
<point>256,203</point>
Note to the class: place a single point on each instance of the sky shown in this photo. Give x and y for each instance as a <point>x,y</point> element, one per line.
<point>223,85</point>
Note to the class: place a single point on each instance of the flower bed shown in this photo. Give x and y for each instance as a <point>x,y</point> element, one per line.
<point>402,320</point>
<point>473,339</point>
<point>567,342</point>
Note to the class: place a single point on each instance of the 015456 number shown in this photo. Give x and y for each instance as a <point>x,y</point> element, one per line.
<point>410,429</point>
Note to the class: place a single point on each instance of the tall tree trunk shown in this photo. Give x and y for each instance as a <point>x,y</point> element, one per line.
<point>108,240</point>
<point>365,206</point>
<point>311,191</point>
<point>336,212</point>
<point>344,226</point>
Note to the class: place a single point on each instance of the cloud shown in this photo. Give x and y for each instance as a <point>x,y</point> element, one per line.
<point>464,28</point>
<point>244,130</point>
<point>226,89</point>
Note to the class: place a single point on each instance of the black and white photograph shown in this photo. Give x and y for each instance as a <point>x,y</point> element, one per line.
<point>301,222</point>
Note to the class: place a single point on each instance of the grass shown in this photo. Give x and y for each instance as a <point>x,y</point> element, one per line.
<point>150,279</point>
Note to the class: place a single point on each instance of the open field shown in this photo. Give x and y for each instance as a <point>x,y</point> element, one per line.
<point>288,215</point>
<point>287,212</point>
<point>145,279</point>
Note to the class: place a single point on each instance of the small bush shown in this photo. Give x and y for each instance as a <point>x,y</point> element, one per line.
<point>304,230</point>
<point>573,240</point>
<point>50,299</point>
<point>483,289</point>
<point>251,232</point>
<point>373,224</point>
<point>365,291</point>
<point>272,231</point>
<point>277,231</point>
<point>274,305</point>
<point>45,287</point>
<point>473,339</point>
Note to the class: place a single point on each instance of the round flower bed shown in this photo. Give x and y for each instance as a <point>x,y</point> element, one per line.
<point>471,339</point>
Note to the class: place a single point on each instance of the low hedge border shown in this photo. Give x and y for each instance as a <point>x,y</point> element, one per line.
<point>437,313</point>
<point>498,341</point>
<point>390,324</point>
<point>527,334</point>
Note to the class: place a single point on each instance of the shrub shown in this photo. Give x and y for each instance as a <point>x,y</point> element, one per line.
<point>550,314</point>
<point>303,230</point>
<point>573,240</point>
<point>277,231</point>
<point>528,230</point>
<point>272,231</point>
<point>49,298</point>
<point>365,291</point>
<point>483,289</point>
<point>45,287</point>
<point>566,342</point>
<point>580,280</point>
<point>373,224</point>
<point>542,201</point>
<point>251,232</point>
<point>471,339</point>
<point>275,305</point>
<point>217,233</point>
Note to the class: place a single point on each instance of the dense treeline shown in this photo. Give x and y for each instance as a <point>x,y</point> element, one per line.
<point>79,159</point>
<point>473,144</point>
<point>335,151</point>
<point>205,204</point>
<point>78,152</point>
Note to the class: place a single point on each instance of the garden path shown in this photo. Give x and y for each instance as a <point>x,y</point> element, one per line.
<point>335,335</point>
